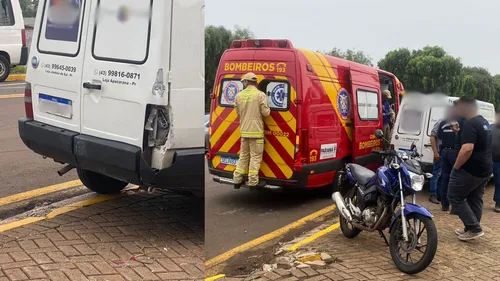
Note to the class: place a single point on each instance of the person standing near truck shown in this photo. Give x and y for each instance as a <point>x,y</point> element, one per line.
<point>448,151</point>
<point>472,170</point>
<point>435,184</point>
<point>495,138</point>
<point>251,106</point>
<point>388,116</point>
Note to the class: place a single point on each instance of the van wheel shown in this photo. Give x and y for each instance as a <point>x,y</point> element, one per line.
<point>100,183</point>
<point>4,68</point>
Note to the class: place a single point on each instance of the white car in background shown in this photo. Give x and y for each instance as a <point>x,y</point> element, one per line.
<point>13,50</point>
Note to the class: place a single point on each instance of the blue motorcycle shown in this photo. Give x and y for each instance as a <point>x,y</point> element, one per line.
<point>374,201</point>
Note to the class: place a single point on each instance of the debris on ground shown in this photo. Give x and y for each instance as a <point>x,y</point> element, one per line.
<point>298,260</point>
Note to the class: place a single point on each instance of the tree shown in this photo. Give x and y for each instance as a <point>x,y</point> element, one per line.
<point>427,70</point>
<point>351,55</point>
<point>396,61</point>
<point>482,83</point>
<point>217,40</point>
<point>29,8</point>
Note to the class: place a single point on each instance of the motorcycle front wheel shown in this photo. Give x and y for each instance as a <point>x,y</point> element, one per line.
<point>416,254</point>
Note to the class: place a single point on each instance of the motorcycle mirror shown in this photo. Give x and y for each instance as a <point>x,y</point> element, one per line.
<point>379,134</point>
<point>428,175</point>
<point>412,146</point>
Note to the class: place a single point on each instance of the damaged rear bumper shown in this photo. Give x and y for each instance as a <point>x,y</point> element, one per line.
<point>114,159</point>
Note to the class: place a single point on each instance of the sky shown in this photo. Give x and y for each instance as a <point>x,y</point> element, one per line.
<point>463,28</point>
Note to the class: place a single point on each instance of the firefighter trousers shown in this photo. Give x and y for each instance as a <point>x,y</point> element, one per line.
<point>250,160</point>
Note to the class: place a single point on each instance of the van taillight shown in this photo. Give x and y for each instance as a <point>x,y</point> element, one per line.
<point>23,36</point>
<point>301,148</point>
<point>28,104</point>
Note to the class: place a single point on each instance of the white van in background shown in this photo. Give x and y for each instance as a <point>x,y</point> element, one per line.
<point>417,117</point>
<point>116,90</point>
<point>13,50</point>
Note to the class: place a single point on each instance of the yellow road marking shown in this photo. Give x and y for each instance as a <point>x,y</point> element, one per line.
<point>10,96</point>
<point>63,210</point>
<point>313,237</point>
<point>267,237</point>
<point>19,223</point>
<point>81,204</point>
<point>215,277</point>
<point>38,192</point>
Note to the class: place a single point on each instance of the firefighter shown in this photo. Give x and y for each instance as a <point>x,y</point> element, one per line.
<point>388,117</point>
<point>251,106</point>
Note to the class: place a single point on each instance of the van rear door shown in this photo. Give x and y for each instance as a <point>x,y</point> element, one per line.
<point>280,126</point>
<point>435,114</point>
<point>128,42</point>
<point>55,70</point>
<point>410,127</point>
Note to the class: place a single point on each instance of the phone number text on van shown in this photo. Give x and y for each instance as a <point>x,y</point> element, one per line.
<point>123,74</point>
<point>63,67</point>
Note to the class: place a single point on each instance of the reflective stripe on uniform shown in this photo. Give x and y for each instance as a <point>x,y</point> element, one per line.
<point>260,141</point>
<point>252,134</point>
<point>240,171</point>
<point>253,172</point>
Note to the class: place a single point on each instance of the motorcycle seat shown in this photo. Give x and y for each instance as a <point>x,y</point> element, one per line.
<point>360,173</point>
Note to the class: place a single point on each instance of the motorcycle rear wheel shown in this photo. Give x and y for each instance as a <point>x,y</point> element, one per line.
<point>405,264</point>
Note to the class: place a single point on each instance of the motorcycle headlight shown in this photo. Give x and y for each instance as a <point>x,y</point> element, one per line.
<point>417,181</point>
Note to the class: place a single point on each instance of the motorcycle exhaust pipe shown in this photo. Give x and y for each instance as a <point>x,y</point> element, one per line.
<point>339,202</point>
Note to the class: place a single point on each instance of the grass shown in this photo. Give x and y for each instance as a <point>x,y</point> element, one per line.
<point>18,70</point>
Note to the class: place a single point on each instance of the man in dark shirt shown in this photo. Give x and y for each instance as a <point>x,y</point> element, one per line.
<point>495,137</point>
<point>447,153</point>
<point>471,171</point>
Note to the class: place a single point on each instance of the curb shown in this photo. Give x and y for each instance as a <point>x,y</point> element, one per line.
<point>16,77</point>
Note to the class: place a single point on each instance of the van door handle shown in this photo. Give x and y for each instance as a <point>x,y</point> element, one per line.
<point>427,145</point>
<point>88,85</point>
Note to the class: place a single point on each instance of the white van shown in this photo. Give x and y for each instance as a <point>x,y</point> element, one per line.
<point>116,89</point>
<point>13,50</point>
<point>417,117</point>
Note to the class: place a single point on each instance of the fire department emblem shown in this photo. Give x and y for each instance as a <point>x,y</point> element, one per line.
<point>278,95</point>
<point>230,92</point>
<point>344,104</point>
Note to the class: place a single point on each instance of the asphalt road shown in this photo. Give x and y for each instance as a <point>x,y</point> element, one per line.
<point>20,168</point>
<point>16,87</point>
<point>234,217</point>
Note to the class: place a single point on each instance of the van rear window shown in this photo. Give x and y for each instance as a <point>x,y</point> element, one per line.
<point>61,27</point>
<point>278,94</point>
<point>411,122</point>
<point>6,14</point>
<point>229,89</point>
<point>122,31</point>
